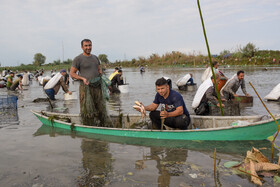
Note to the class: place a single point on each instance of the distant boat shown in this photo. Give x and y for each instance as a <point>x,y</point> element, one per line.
<point>218,128</point>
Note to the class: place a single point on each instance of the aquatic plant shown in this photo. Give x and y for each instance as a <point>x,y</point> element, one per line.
<point>51,119</point>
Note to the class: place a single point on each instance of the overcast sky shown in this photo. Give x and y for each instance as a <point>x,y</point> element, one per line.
<point>126,29</point>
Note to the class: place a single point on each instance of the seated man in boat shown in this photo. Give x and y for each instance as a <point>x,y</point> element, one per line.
<point>53,85</point>
<point>17,83</point>
<point>174,113</point>
<point>116,81</point>
<point>114,73</point>
<point>232,85</point>
<point>206,93</point>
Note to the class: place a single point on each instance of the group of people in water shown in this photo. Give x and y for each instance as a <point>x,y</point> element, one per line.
<point>173,113</point>
<point>12,81</point>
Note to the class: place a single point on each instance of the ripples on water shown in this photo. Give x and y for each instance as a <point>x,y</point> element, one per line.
<point>32,154</point>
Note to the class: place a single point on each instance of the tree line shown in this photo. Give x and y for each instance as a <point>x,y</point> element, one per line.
<point>246,55</point>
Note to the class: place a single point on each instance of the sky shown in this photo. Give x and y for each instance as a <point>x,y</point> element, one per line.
<point>126,29</point>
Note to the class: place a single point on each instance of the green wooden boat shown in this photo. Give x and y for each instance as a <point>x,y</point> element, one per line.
<point>236,148</point>
<point>215,128</point>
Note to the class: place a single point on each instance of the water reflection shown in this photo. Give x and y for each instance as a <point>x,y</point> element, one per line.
<point>115,104</point>
<point>169,162</point>
<point>164,163</point>
<point>56,107</point>
<point>97,163</point>
<point>237,148</point>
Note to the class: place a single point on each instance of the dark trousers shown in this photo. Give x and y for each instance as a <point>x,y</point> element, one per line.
<point>181,122</point>
<point>50,93</point>
<point>227,95</point>
<point>115,89</point>
<point>190,81</point>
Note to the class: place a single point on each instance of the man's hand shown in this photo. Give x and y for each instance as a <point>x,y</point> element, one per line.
<point>110,89</point>
<point>247,95</point>
<point>70,93</point>
<point>218,105</point>
<point>235,95</point>
<point>137,108</point>
<point>164,114</point>
<point>85,81</point>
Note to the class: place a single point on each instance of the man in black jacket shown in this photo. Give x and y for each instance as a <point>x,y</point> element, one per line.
<point>116,81</point>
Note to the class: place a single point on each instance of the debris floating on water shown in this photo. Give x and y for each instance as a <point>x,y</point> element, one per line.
<point>256,163</point>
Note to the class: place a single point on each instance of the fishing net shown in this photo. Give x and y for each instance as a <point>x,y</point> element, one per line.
<point>92,100</point>
<point>8,109</point>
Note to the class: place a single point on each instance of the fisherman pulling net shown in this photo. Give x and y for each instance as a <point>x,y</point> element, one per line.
<point>93,87</point>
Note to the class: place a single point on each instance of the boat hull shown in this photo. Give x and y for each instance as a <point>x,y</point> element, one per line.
<point>254,131</point>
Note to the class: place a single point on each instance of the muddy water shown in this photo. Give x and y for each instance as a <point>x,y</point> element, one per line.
<point>35,155</point>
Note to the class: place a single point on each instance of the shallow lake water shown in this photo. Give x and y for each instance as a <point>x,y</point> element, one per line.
<point>35,155</point>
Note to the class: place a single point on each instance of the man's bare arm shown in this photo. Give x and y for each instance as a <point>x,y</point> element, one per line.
<point>100,69</point>
<point>73,74</point>
<point>151,107</point>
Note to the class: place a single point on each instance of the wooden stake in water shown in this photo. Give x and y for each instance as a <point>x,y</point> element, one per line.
<point>215,161</point>
<point>272,150</point>
<point>162,119</point>
<point>210,59</point>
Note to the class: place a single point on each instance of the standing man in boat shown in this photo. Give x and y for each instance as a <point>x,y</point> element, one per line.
<point>92,103</point>
<point>231,87</point>
<point>206,93</point>
<point>175,113</point>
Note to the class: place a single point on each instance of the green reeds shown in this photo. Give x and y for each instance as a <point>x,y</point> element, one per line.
<point>210,59</point>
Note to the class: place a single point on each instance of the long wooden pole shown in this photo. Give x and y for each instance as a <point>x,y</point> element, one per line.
<point>210,59</point>
<point>162,120</point>
<point>215,161</point>
<point>272,149</point>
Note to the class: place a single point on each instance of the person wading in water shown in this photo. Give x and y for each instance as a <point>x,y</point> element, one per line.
<point>92,103</point>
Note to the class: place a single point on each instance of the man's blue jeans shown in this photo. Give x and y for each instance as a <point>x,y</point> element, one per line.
<point>50,93</point>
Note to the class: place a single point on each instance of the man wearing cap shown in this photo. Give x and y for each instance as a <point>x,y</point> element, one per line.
<point>16,83</point>
<point>114,73</point>
<point>53,85</point>
<point>116,81</point>
<point>10,80</point>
